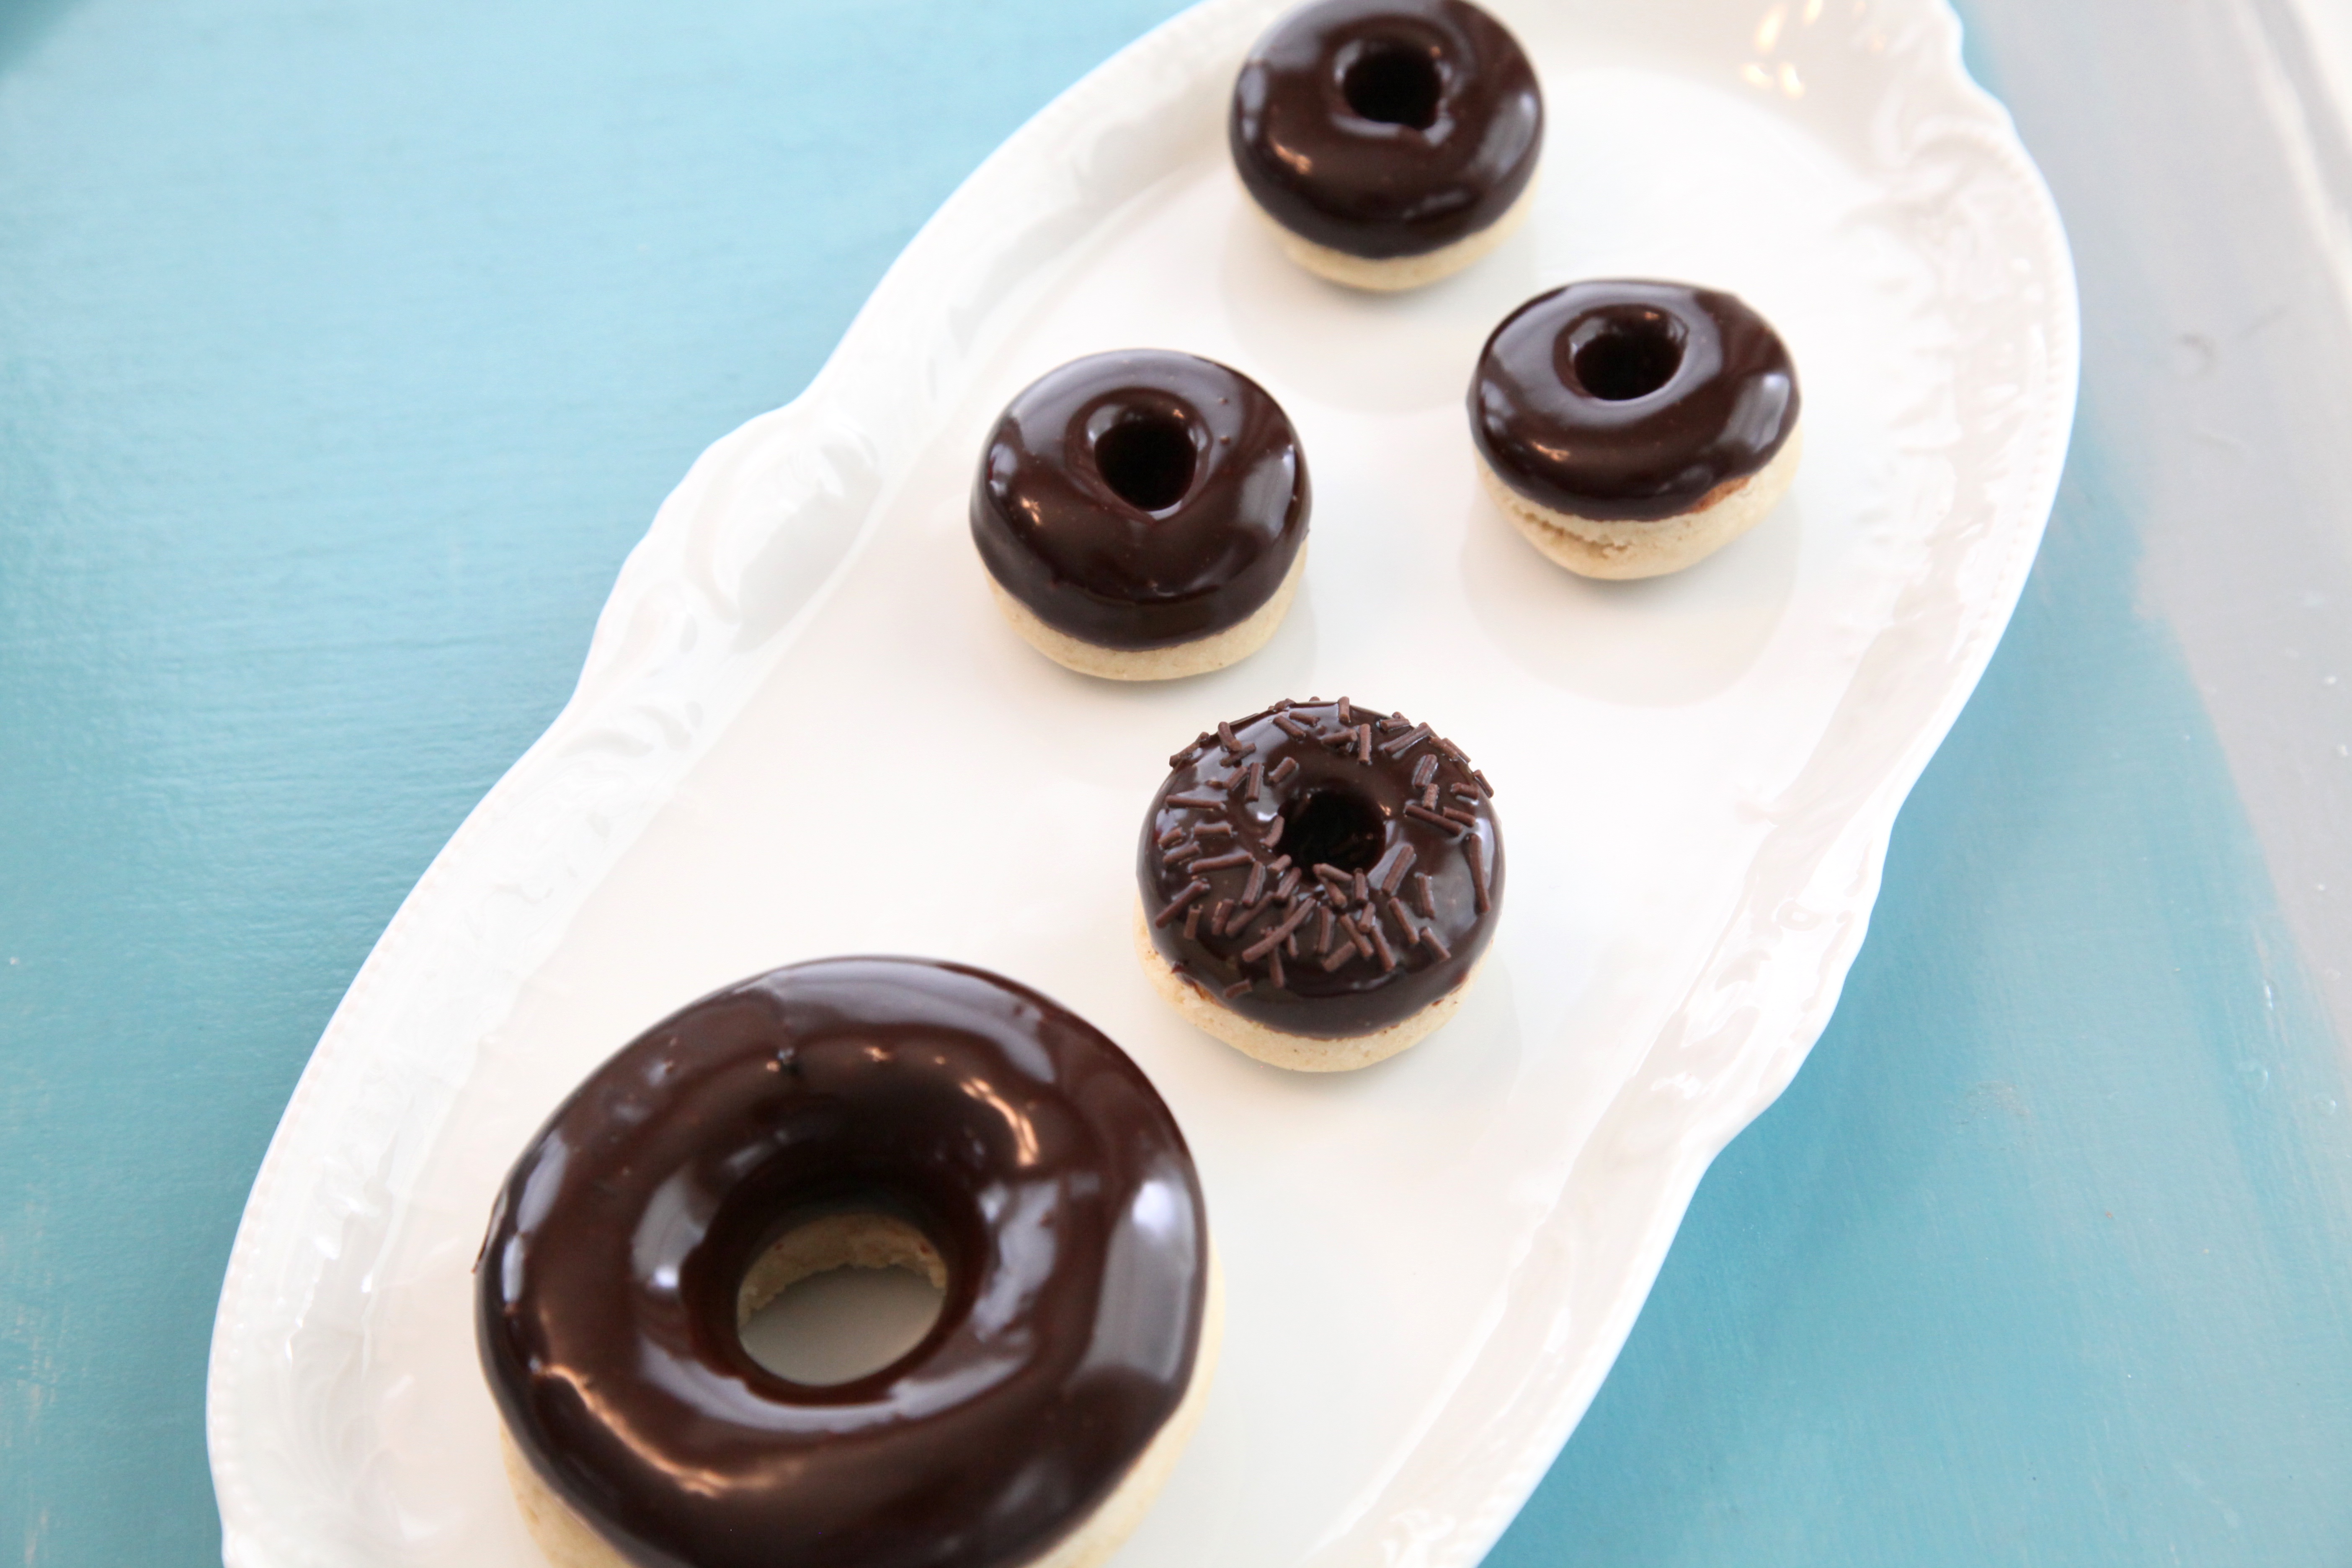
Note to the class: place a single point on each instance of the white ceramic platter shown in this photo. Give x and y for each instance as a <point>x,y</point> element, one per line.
<point>800,700</point>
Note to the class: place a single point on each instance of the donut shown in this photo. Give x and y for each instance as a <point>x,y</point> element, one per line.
<point>1317,883</point>
<point>1142,514</point>
<point>1391,141</point>
<point>1629,428</point>
<point>868,1112</point>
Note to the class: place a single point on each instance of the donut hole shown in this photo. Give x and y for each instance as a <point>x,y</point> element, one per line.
<point>1334,827</point>
<point>840,1297</point>
<point>1624,354</point>
<point>1147,460</point>
<point>1393,84</point>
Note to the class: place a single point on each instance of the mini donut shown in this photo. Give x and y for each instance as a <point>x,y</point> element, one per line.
<point>1318,882</point>
<point>1142,514</point>
<point>1629,428</point>
<point>1391,141</point>
<point>853,1110</point>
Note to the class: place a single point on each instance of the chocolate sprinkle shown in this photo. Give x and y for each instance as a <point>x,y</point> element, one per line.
<point>1267,943</point>
<point>1274,970</point>
<point>1200,801</point>
<point>1214,862</point>
<point>1477,851</point>
<point>1381,945</point>
<point>1217,917</point>
<point>1192,890</point>
<point>1406,741</point>
<point>1256,885</point>
<point>1424,770</point>
<point>1212,830</point>
<point>1282,770</point>
<point>1238,987</point>
<point>1192,923</point>
<point>1423,814</point>
<point>1406,854</point>
<point>1436,943</point>
<point>1424,895</point>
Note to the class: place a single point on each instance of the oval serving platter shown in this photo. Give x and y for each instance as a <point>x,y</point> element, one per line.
<point>802,729</point>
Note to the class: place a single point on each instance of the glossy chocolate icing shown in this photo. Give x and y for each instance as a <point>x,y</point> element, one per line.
<point>1142,498</point>
<point>1386,128</point>
<point>1023,1143</point>
<point>1625,400</point>
<point>1286,820</point>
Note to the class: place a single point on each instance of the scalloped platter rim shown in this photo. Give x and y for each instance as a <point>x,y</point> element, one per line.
<point>1430,1264</point>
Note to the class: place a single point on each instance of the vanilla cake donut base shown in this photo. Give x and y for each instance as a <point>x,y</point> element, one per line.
<point>1592,547</point>
<point>1395,274</point>
<point>1199,657</point>
<point>1277,1047</point>
<point>567,1540</point>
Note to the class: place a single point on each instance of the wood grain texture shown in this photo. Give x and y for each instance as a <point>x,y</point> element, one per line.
<point>344,350</point>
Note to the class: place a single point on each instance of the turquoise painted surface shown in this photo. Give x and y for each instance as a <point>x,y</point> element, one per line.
<point>2044,1256</point>
<point>345,349</point>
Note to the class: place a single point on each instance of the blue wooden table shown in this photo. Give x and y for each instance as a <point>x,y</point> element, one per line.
<point>345,348</point>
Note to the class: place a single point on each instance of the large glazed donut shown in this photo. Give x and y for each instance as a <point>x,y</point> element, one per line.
<point>1630,428</point>
<point>1142,514</point>
<point>868,1110</point>
<point>1391,142</point>
<point>1318,882</point>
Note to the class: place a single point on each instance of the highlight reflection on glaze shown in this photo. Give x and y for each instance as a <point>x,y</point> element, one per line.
<point>1021,1142</point>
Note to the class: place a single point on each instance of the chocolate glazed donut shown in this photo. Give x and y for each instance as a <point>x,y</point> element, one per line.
<point>1318,882</point>
<point>1391,139</point>
<point>1027,1157</point>
<point>1609,409</point>
<point>1143,513</point>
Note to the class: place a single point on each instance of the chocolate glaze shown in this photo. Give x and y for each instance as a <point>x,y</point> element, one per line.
<point>1026,1145</point>
<point>1382,820</point>
<point>1386,128</point>
<point>1625,400</point>
<point>1141,498</point>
